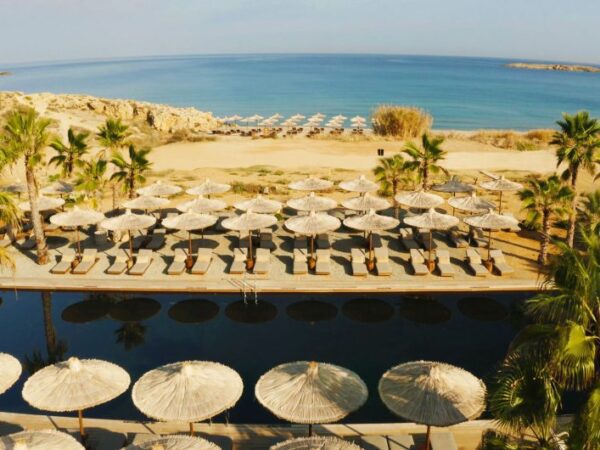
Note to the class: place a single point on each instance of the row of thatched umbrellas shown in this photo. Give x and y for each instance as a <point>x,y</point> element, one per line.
<point>425,392</point>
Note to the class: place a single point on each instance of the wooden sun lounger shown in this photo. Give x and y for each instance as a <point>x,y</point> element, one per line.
<point>407,239</point>
<point>239,261</point>
<point>177,266</point>
<point>401,442</point>
<point>417,261</point>
<point>323,261</point>
<point>474,262</point>
<point>300,264</point>
<point>443,263</point>
<point>323,241</point>
<point>477,237</point>
<point>457,239</point>
<point>382,261</point>
<point>423,238</point>
<point>142,262</point>
<point>500,263</point>
<point>88,259</point>
<point>359,266</point>
<point>376,239</point>
<point>244,240</point>
<point>443,441</point>
<point>263,261</point>
<point>65,263</point>
<point>300,242</point>
<point>203,261</point>
<point>156,241</point>
<point>119,264</point>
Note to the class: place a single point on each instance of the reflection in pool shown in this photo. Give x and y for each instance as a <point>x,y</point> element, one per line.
<point>143,331</point>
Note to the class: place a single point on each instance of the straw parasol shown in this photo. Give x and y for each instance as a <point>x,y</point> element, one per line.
<point>146,202</point>
<point>201,205</point>
<point>312,202</point>
<point>174,443</point>
<point>57,188</point>
<point>44,204</point>
<point>366,202</point>
<point>311,225</point>
<point>310,392</point>
<point>316,443</point>
<point>491,221</point>
<point>77,218</point>
<point>471,203</point>
<point>187,391</point>
<point>75,385</point>
<point>259,204</point>
<point>249,221</point>
<point>419,199</point>
<point>15,188</point>
<point>432,393</point>
<point>128,222</point>
<point>360,184</point>
<point>371,222</point>
<point>39,440</point>
<point>209,187</point>
<point>501,184</point>
<point>189,222</point>
<point>159,189</point>
<point>452,186</point>
<point>311,184</point>
<point>10,371</point>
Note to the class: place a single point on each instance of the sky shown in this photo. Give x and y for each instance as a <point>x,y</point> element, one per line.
<point>553,30</point>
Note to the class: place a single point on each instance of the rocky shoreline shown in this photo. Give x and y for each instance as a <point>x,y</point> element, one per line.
<point>555,67</point>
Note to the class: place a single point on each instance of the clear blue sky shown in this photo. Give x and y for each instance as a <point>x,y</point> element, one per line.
<point>32,30</point>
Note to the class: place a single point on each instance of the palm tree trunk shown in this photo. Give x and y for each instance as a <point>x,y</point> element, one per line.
<point>132,186</point>
<point>394,192</point>
<point>36,218</point>
<point>425,177</point>
<point>49,330</point>
<point>573,213</point>
<point>545,238</point>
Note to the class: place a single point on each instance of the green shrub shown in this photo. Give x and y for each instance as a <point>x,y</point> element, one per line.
<point>404,122</point>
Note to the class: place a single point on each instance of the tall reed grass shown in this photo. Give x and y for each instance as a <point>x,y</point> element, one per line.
<point>404,122</point>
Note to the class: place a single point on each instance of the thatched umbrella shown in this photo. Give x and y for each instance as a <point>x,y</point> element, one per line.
<point>312,202</point>
<point>128,222</point>
<point>249,221</point>
<point>57,188</point>
<point>432,394</point>
<point>39,440</point>
<point>431,220</point>
<point>174,443</point>
<point>453,186</point>
<point>371,222</point>
<point>312,225</point>
<point>419,199</point>
<point>316,443</point>
<point>188,391</point>
<point>75,385</point>
<point>360,184</point>
<point>189,222</point>
<point>259,204</point>
<point>501,185</point>
<point>77,218</point>
<point>159,189</point>
<point>209,187</point>
<point>44,204</point>
<point>310,392</point>
<point>491,221</point>
<point>311,184</point>
<point>202,205</point>
<point>146,203</point>
<point>471,203</point>
<point>15,188</point>
<point>10,371</point>
<point>366,202</point>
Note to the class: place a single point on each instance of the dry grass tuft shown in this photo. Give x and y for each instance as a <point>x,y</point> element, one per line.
<point>404,122</point>
<point>513,140</point>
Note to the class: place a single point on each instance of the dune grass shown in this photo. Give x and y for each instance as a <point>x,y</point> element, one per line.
<point>403,122</point>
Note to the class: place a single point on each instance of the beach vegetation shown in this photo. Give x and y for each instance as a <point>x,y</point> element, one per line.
<point>403,122</point>
<point>91,179</point>
<point>10,218</point>
<point>589,212</point>
<point>509,140</point>
<point>425,158</point>
<point>69,155</point>
<point>113,134</point>
<point>131,170</point>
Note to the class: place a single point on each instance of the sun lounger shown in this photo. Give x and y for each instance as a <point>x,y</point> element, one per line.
<point>101,237</point>
<point>239,261</point>
<point>300,242</point>
<point>475,264</point>
<point>457,239</point>
<point>417,261</point>
<point>263,260</point>
<point>177,266</point>
<point>443,441</point>
<point>27,244</point>
<point>382,261</point>
<point>203,261</point>
<point>423,238</point>
<point>500,263</point>
<point>323,261</point>
<point>401,442</point>
<point>65,263</point>
<point>323,241</point>
<point>477,237</point>
<point>88,259</point>
<point>142,262</point>
<point>139,241</point>
<point>300,264</point>
<point>119,264</point>
<point>376,240</point>
<point>443,263</point>
<point>407,239</point>
<point>359,266</point>
<point>156,241</point>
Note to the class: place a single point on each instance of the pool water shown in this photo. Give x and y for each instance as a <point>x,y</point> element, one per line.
<point>367,334</point>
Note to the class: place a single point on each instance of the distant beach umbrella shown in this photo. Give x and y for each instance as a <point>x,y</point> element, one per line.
<point>471,203</point>
<point>501,185</point>
<point>360,184</point>
<point>77,218</point>
<point>249,222</point>
<point>339,117</point>
<point>492,221</point>
<point>419,199</point>
<point>453,186</point>
<point>310,392</point>
<point>10,371</point>
<point>358,119</point>
<point>57,188</point>
<point>432,394</point>
<point>188,391</point>
<point>202,205</point>
<point>431,220</point>
<point>190,221</point>
<point>39,440</point>
<point>159,189</point>
<point>311,225</point>
<point>312,202</point>
<point>366,202</point>
<point>259,204</point>
<point>297,117</point>
<point>316,443</point>
<point>209,187</point>
<point>128,222</point>
<point>75,385</point>
<point>15,188</point>
<point>235,118</point>
<point>146,203</point>
<point>174,443</point>
<point>371,222</point>
<point>44,204</point>
<point>311,184</point>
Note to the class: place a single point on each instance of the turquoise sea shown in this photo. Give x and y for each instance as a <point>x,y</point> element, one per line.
<point>461,93</point>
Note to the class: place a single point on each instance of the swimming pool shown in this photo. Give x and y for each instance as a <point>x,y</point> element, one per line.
<point>367,334</point>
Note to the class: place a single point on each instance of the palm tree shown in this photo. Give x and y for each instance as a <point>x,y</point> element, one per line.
<point>589,212</point>
<point>578,141</point>
<point>544,199</point>
<point>68,156</point>
<point>131,172</point>
<point>390,173</point>
<point>131,334</point>
<point>91,178</point>
<point>10,216</point>
<point>112,136</point>
<point>425,159</point>
<point>25,136</point>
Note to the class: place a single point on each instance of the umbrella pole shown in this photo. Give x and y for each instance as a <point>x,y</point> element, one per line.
<point>191,428</point>
<point>311,262</point>
<point>249,260</point>
<point>430,247</point>
<point>130,247</point>
<point>489,245</point>
<point>371,263</point>
<point>78,243</point>
<point>427,437</point>
<point>80,417</point>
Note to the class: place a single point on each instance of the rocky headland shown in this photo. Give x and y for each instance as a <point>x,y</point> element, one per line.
<point>555,67</point>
